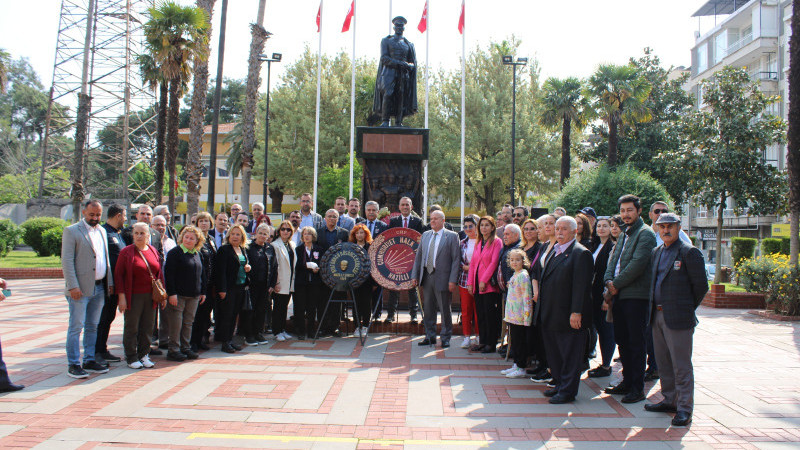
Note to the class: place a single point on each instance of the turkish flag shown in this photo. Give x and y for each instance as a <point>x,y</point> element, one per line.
<point>349,18</point>
<point>423,22</point>
<point>319,15</point>
<point>461,19</point>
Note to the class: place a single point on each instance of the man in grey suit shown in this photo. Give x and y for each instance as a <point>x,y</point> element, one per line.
<point>679,285</point>
<point>88,279</point>
<point>437,267</point>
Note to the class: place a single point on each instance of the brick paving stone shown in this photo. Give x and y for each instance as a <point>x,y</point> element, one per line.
<point>391,393</point>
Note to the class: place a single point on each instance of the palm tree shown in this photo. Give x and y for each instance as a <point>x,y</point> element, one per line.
<point>153,78</point>
<point>619,93</point>
<point>4,58</point>
<point>194,168</point>
<point>564,105</point>
<point>176,35</point>
<point>260,36</point>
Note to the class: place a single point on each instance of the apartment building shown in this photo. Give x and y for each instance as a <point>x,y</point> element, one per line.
<point>752,35</point>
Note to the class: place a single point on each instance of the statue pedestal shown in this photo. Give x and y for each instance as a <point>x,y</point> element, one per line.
<point>392,159</point>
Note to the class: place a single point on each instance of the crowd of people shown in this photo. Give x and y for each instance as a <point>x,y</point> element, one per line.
<point>544,290</point>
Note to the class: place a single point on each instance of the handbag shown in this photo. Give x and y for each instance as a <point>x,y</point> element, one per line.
<point>247,302</point>
<point>158,292</point>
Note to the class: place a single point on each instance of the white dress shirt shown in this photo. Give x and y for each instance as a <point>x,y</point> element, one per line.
<point>99,246</point>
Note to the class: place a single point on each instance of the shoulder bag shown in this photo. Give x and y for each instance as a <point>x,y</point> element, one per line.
<point>158,292</point>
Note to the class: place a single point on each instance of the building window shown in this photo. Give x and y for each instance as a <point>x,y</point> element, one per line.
<point>702,57</point>
<point>221,172</point>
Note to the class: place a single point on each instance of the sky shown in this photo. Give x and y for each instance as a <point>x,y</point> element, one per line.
<point>567,38</point>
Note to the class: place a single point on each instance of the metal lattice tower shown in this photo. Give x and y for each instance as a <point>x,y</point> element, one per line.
<point>122,121</point>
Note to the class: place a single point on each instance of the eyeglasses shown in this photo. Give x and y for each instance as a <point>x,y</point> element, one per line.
<point>468,227</point>
<point>286,229</point>
<point>530,229</point>
<point>517,215</point>
<point>659,211</point>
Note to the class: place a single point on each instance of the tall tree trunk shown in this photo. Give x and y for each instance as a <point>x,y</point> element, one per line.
<point>566,129</point>
<point>194,160</point>
<point>793,153</point>
<point>161,140</point>
<point>260,37</point>
<point>84,106</point>
<point>612,142</point>
<point>276,195</point>
<point>720,212</point>
<point>172,138</point>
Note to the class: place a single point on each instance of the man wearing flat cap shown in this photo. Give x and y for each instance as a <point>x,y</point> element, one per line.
<point>396,83</point>
<point>677,288</point>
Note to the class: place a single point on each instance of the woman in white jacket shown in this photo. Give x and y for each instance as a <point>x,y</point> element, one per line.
<point>284,254</point>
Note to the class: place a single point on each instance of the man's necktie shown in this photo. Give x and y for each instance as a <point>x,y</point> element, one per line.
<point>431,249</point>
<point>371,228</point>
<point>405,223</point>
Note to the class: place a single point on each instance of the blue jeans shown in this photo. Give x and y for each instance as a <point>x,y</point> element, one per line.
<point>84,314</point>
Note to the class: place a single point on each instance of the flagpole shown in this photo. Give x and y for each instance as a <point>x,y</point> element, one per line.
<point>427,73</point>
<point>316,126</point>
<point>391,25</point>
<point>463,103</point>
<point>352,103</point>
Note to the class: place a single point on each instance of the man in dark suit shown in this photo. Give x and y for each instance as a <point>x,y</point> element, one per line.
<point>437,267</point>
<point>679,285</point>
<point>220,229</point>
<point>353,207</point>
<point>405,220</point>
<point>564,310</point>
<point>114,224</point>
<point>328,236</point>
<point>430,211</point>
<point>374,225</point>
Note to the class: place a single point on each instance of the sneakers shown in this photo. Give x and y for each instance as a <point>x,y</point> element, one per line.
<point>518,373</point>
<point>261,339</point>
<point>251,340</point>
<point>76,371</point>
<point>286,335</point>
<point>466,342</point>
<point>363,331</point>
<point>95,367</point>
<point>542,377</point>
<point>136,365</point>
<point>147,363</point>
<point>279,337</point>
<point>357,332</point>
<point>510,369</point>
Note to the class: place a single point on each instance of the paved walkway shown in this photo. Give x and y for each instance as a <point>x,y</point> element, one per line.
<point>390,393</point>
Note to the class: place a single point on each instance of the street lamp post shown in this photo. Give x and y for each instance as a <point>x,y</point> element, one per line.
<point>276,57</point>
<point>509,61</point>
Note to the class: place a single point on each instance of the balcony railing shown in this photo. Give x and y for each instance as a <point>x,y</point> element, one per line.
<point>746,39</point>
<point>764,76</point>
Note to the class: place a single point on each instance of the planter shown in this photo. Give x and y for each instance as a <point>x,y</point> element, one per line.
<point>772,315</point>
<point>31,273</point>
<point>718,298</point>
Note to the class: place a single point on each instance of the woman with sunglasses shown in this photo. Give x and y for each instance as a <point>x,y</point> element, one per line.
<point>284,254</point>
<point>469,320</point>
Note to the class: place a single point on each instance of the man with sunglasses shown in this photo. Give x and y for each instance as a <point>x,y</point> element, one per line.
<point>519,215</point>
<point>658,208</point>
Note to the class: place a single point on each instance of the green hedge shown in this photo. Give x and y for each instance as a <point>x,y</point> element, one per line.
<point>51,240</point>
<point>600,188</point>
<point>742,248</point>
<point>770,246</point>
<point>11,236</point>
<point>34,228</point>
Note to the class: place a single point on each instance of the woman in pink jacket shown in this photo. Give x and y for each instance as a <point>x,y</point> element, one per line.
<point>482,283</point>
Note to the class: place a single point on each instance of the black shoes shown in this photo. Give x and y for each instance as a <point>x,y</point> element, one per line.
<point>228,348</point>
<point>620,389</point>
<point>76,371</point>
<point>261,339</point>
<point>155,352</point>
<point>599,372</point>
<point>550,392</point>
<point>235,347</point>
<point>176,356</point>
<point>301,337</point>
<point>681,419</point>
<point>414,320</point>
<point>660,407</point>
<point>633,397</point>
<point>446,344</point>
<point>203,346</point>
<point>488,349</point>
<point>650,375</point>
<point>542,377</point>
<point>109,357</point>
<point>190,354</point>
<point>427,341</point>
<point>94,367</point>
<point>561,399</point>
<point>389,319</point>
<point>11,387</point>
<point>250,340</point>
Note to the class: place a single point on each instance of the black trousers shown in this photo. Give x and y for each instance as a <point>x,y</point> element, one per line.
<point>605,334</point>
<point>227,311</point>
<point>305,307</point>
<point>630,323</point>
<point>488,309</point>
<point>536,345</point>
<point>252,322</point>
<point>104,326</point>
<point>392,300</point>
<point>363,301</point>
<point>202,319</point>
<point>333,318</point>
<point>519,344</point>
<point>565,356</point>
<point>280,308</point>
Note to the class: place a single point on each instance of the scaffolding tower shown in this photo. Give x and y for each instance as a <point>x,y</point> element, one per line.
<point>122,120</point>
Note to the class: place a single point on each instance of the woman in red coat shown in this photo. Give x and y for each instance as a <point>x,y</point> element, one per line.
<point>482,283</point>
<point>137,265</point>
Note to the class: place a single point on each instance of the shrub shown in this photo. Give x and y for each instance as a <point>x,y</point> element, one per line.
<point>770,246</point>
<point>784,290</point>
<point>755,273</point>
<point>600,188</point>
<point>51,240</point>
<point>10,234</point>
<point>742,248</point>
<point>35,227</point>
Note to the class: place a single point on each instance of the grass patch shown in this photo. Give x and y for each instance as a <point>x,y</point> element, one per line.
<point>729,287</point>
<point>17,259</point>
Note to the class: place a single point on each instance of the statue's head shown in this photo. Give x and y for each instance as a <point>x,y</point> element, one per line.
<point>399,24</point>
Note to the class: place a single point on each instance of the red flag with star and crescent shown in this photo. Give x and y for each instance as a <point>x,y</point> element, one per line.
<point>423,22</point>
<point>319,15</point>
<point>461,19</point>
<point>349,18</point>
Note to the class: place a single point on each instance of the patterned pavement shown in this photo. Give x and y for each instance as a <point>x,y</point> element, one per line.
<point>389,394</point>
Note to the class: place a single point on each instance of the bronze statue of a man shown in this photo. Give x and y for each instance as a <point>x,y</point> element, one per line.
<point>396,84</point>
